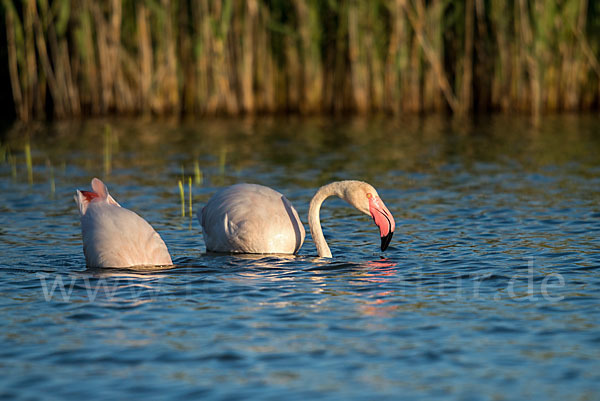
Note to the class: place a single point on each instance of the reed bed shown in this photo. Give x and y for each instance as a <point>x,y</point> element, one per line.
<point>206,57</point>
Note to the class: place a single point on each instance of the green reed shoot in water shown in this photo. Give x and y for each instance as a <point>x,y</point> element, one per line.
<point>12,160</point>
<point>190,193</point>
<point>222,159</point>
<point>29,163</point>
<point>182,197</point>
<point>198,173</point>
<point>107,149</point>
<point>52,183</point>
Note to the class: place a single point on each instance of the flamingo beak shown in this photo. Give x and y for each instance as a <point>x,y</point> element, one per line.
<point>385,241</point>
<point>384,220</point>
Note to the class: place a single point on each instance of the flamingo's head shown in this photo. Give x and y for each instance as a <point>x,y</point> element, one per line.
<point>366,199</point>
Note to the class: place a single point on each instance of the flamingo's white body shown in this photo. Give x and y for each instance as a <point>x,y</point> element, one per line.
<point>249,218</point>
<point>114,236</point>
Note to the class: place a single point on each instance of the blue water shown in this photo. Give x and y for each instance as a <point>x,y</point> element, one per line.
<point>489,290</point>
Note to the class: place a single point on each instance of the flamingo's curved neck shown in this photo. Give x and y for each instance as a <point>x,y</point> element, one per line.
<point>314,221</point>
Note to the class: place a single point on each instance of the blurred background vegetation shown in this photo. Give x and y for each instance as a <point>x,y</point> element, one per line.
<point>67,58</point>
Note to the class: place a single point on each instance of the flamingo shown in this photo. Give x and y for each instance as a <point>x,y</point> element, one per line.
<point>250,218</point>
<point>114,236</point>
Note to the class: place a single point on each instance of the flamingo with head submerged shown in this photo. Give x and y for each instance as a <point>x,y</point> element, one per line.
<point>114,236</point>
<point>250,218</point>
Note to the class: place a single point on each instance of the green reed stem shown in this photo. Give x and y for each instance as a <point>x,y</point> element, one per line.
<point>52,183</point>
<point>198,173</point>
<point>182,197</point>
<point>13,165</point>
<point>190,194</point>
<point>222,160</point>
<point>107,149</point>
<point>29,163</point>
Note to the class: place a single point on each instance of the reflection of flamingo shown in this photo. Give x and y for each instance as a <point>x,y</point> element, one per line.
<point>114,236</point>
<point>249,218</point>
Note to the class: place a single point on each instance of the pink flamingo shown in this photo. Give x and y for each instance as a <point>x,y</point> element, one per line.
<point>114,236</point>
<point>250,218</point>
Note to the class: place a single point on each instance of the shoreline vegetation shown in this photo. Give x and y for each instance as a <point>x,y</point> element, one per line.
<point>71,58</point>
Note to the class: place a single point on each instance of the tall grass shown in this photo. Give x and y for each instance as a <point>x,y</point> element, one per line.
<point>95,57</point>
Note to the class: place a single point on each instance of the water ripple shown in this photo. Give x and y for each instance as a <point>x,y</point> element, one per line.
<point>489,289</point>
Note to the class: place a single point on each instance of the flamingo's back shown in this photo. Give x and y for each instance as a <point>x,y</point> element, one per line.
<point>114,236</point>
<point>249,218</point>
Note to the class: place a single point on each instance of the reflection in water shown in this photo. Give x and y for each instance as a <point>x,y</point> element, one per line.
<point>311,154</point>
<point>488,289</point>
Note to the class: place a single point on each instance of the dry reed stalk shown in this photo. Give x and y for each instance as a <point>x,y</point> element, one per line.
<point>526,38</point>
<point>467,76</point>
<point>502,77</point>
<point>199,14</point>
<point>312,69</point>
<point>90,83</point>
<point>375,46</point>
<point>145,57</point>
<point>31,64</point>
<point>169,81</point>
<point>432,57</point>
<point>432,98</point>
<point>357,61</point>
<point>21,108</point>
<point>267,65</point>
<point>56,90</point>
<point>247,65</point>
<point>391,76</point>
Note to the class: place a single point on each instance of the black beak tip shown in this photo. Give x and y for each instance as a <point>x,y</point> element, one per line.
<point>385,241</point>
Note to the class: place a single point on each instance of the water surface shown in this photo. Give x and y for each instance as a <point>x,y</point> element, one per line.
<point>489,290</point>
